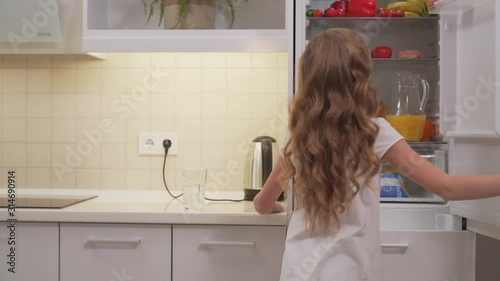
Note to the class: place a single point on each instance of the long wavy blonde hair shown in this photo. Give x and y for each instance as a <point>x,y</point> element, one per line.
<point>331,127</point>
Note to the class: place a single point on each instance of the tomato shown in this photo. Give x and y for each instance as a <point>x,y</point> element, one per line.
<point>400,13</point>
<point>317,13</point>
<point>392,13</point>
<point>331,12</point>
<point>310,12</point>
<point>382,52</point>
<point>381,12</point>
<point>396,13</point>
<point>429,131</point>
<point>342,13</point>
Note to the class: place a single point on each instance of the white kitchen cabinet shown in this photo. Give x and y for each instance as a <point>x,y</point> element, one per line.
<point>428,255</point>
<point>36,251</point>
<point>121,25</point>
<point>70,21</point>
<point>104,252</point>
<point>227,253</point>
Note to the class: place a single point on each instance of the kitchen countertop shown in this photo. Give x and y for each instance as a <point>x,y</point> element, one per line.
<point>157,207</point>
<point>136,206</point>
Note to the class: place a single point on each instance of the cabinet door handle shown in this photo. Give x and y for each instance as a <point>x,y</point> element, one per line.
<point>125,242</point>
<point>401,247</point>
<point>226,243</point>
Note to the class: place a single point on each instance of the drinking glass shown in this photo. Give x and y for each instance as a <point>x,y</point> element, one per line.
<point>194,181</point>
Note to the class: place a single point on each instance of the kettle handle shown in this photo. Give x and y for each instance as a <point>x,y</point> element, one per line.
<point>425,94</point>
<point>267,159</point>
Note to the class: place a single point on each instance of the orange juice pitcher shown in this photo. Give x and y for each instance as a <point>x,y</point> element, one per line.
<point>407,110</point>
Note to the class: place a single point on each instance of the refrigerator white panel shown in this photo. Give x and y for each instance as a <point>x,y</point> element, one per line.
<point>413,217</point>
<point>475,146</point>
<point>458,6</point>
<point>479,157</point>
<point>497,72</point>
<point>476,69</point>
<point>448,81</point>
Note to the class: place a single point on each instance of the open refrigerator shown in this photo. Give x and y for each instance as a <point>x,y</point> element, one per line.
<point>461,47</point>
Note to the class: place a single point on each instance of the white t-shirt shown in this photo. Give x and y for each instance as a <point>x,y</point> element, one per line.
<point>350,252</point>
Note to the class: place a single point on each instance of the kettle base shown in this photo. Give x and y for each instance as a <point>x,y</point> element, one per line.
<point>251,193</point>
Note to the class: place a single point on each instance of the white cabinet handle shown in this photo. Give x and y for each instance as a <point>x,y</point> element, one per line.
<point>225,243</point>
<point>97,242</point>
<point>401,247</point>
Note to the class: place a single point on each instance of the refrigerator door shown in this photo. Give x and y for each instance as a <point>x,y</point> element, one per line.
<point>470,105</point>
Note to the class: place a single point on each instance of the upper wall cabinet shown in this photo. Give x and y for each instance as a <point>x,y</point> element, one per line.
<point>206,25</point>
<point>41,27</point>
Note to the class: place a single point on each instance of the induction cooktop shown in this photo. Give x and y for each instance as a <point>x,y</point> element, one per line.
<point>44,202</point>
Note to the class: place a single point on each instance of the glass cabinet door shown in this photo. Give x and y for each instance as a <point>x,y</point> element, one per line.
<point>186,25</point>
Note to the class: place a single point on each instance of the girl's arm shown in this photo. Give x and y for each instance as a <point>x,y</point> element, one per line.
<point>265,201</point>
<point>422,172</point>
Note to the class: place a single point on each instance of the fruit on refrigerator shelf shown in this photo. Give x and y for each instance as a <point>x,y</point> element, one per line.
<point>341,13</point>
<point>341,4</point>
<point>396,13</point>
<point>382,52</point>
<point>331,12</point>
<point>429,130</point>
<point>310,12</point>
<point>419,7</point>
<point>381,12</point>
<point>317,13</point>
<point>362,8</point>
<point>411,14</point>
<point>380,110</point>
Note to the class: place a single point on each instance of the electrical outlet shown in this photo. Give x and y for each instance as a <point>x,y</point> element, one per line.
<point>152,143</point>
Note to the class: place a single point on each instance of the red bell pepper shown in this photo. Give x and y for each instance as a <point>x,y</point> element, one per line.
<point>362,8</point>
<point>341,4</point>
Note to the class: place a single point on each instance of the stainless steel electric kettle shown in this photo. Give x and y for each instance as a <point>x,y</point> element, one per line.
<point>261,158</point>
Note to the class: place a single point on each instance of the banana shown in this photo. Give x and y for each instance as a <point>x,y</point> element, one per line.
<point>411,14</point>
<point>394,5</point>
<point>418,3</point>
<point>422,5</point>
<point>406,6</point>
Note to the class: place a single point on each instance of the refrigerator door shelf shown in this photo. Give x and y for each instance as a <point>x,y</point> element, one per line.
<point>434,152</point>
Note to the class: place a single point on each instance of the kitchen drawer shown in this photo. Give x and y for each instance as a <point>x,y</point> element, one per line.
<point>227,253</point>
<point>36,251</point>
<point>428,255</point>
<point>104,252</point>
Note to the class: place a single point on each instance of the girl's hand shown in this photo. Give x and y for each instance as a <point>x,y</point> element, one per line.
<point>277,208</point>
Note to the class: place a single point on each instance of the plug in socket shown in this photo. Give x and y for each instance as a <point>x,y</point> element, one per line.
<point>152,143</point>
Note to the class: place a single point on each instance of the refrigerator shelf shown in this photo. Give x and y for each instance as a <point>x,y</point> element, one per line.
<point>432,17</point>
<point>398,60</point>
<point>434,152</point>
<point>434,200</point>
<point>372,24</point>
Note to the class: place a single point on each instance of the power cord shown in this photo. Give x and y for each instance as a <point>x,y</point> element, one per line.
<point>167,144</point>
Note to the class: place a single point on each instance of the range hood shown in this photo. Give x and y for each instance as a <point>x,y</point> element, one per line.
<point>42,27</point>
<point>29,21</point>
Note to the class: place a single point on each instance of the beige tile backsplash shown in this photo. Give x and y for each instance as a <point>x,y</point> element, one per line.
<point>52,111</point>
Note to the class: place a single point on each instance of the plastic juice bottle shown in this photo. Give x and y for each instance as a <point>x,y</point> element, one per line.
<point>411,127</point>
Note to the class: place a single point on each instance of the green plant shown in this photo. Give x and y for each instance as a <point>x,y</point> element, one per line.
<point>150,7</point>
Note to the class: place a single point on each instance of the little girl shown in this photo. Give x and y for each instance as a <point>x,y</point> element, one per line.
<point>333,153</point>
